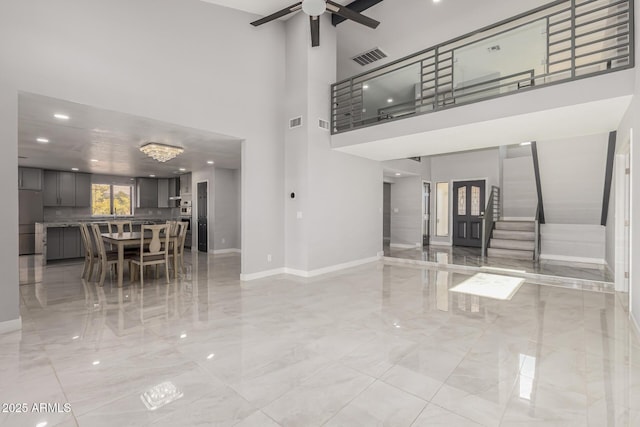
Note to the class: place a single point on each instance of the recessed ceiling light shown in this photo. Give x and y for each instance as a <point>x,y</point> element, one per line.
<point>390,100</point>
<point>398,174</point>
<point>94,160</point>
<point>152,176</point>
<point>96,362</point>
<point>365,86</point>
<point>525,143</point>
<point>60,116</point>
<point>75,169</point>
<point>210,162</point>
<point>436,1</point>
<point>42,140</point>
<point>183,335</point>
<point>182,169</point>
<point>211,356</point>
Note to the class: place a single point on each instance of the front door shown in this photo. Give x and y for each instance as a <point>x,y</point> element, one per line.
<point>468,204</point>
<point>202,217</point>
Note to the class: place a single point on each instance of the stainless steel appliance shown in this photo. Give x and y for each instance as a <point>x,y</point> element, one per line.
<point>185,208</point>
<point>30,211</point>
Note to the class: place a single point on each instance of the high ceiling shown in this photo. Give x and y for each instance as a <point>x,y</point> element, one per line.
<point>261,7</point>
<point>112,140</point>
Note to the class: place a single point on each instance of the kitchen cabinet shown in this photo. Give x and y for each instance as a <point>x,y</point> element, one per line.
<point>174,191</point>
<point>163,193</point>
<point>147,192</point>
<point>29,179</point>
<point>59,188</point>
<point>185,184</point>
<point>64,243</point>
<point>83,190</point>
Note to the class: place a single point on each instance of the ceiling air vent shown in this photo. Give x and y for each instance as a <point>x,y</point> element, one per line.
<point>296,122</point>
<point>323,124</point>
<point>369,57</point>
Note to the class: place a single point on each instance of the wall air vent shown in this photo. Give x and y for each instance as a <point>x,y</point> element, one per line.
<point>369,56</point>
<point>324,124</point>
<point>296,122</point>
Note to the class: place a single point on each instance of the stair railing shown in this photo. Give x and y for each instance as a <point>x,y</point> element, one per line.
<point>489,217</point>
<point>536,244</point>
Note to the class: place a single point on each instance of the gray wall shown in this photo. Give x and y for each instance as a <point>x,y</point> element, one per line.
<point>572,178</point>
<point>479,164</point>
<point>406,211</point>
<point>519,193</point>
<point>226,214</point>
<point>169,60</point>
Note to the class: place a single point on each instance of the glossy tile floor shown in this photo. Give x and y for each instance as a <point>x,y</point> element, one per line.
<point>471,257</point>
<point>373,345</point>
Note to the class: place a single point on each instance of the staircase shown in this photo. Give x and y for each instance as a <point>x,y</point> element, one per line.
<point>513,239</point>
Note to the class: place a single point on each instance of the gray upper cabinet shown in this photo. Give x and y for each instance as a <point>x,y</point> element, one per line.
<point>147,192</point>
<point>83,190</point>
<point>29,179</point>
<point>174,191</point>
<point>163,193</point>
<point>66,189</point>
<point>185,184</point>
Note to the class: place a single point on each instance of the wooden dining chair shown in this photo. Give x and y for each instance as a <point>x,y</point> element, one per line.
<point>119,226</point>
<point>105,259</point>
<point>156,252</point>
<point>181,232</point>
<point>90,255</point>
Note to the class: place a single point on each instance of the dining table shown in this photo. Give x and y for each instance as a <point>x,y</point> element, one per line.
<point>133,238</point>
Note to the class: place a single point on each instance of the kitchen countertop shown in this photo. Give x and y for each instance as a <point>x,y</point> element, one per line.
<point>76,222</point>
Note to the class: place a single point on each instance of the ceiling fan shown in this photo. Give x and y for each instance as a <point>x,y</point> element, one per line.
<point>315,8</point>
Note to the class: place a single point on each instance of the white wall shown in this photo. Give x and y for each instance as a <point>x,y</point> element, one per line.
<point>480,164</point>
<point>572,173</point>
<point>406,211</point>
<point>172,60</point>
<point>519,193</point>
<point>226,215</point>
<point>573,242</point>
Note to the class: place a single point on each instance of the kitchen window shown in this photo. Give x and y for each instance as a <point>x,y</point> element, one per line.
<point>111,199</point>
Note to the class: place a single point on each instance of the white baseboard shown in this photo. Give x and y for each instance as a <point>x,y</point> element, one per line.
<point>380,254</point>
<point>518,218</point>
<point>432,243</point>
<point>224,251</point>
<point>331,268</point>
<point>261,274</point>
<point>404,245</point>
<point>11,325</point>
<point>551,257</point>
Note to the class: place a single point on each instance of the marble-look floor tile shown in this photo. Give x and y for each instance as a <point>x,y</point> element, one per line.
<point>435,416</point>
<point>319,398</point>
<point>366,345</point>
<point>379,405</point>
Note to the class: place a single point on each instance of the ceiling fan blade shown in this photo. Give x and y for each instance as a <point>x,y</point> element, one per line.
<point>284,12</point>
<point>315,30</point>
<point>352,15</point>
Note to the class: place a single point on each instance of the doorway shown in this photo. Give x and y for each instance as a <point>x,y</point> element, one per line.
<point>203,234</point>
<point>468,205</point>
<point>426,212</point>
<point>386,214</point>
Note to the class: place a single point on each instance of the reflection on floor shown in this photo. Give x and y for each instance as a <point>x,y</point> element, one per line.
<point>372,345</point>
<point>462,256</point>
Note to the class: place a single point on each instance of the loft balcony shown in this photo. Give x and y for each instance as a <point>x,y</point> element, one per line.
<point>561,42</point>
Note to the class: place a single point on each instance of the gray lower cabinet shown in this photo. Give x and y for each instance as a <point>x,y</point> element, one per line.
<point>64,243</point>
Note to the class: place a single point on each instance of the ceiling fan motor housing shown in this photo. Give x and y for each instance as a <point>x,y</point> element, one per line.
<point>314,7</point>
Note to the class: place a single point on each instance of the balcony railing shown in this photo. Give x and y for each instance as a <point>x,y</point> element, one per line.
<point>559,42</point>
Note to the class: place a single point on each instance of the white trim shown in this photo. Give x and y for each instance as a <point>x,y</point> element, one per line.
<point>11,325</point>
<point>436,243</point>
<point>517,218</point>
<point>224,251</point>
<point>599,261</point>
<point>331,268</point>
<point>634,324</point>
<point>404,245</point>
<point>261,274</point>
